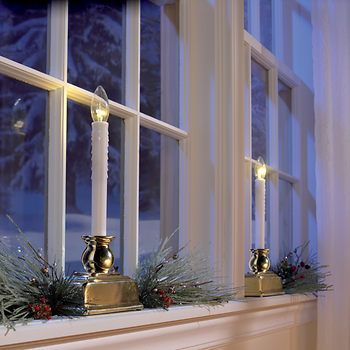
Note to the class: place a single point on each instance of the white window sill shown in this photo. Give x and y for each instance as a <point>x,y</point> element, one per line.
<point>135,327</point>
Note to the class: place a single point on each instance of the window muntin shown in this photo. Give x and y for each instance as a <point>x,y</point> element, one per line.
<point>22,160</point>
<point>23,32</point>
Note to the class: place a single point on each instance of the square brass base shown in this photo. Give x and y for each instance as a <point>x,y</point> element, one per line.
<point>263,285</point>
<point>108,293</point>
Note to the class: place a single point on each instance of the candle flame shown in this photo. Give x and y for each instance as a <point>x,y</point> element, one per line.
<point>260,169</point>
<point>99,105</point>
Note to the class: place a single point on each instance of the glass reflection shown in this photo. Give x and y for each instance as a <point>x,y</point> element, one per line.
<point>22,161</point>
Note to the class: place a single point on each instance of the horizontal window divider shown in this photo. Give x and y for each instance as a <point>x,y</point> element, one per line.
<point>84,97</point>
<point>263,56</point>
<point>287,75</point>
<point>281,174</point>
<point>162,127</point>
<point>29,75</point>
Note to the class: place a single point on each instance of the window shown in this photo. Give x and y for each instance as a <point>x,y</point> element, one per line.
<point>273,125</point>
<point>63,50</point>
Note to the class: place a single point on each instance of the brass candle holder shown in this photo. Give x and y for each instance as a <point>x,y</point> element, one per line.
<point>261,282</point>
<point>104,291</point>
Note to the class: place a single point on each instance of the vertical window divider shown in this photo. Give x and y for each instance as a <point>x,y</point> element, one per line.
<point>57,130</point>
<point>130,229</point>
<point>248,151</point>
<point>273,161</point>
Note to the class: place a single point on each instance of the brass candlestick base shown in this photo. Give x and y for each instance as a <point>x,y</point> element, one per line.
<point>261,282</point>
<point>104,291</point>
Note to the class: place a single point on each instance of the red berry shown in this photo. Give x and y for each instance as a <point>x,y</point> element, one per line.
<point>302,264</point>
<point>293,268</point>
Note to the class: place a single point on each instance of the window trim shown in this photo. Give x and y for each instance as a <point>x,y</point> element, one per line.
<point>276,71</point>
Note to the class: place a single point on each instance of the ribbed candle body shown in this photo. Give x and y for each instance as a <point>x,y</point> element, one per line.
<point>99,150</point>
<point>259,213</point>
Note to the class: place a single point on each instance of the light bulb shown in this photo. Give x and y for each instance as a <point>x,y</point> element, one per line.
<point>99,105</point>
<point>260,169</point>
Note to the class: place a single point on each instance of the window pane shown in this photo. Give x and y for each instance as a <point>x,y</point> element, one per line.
<point>246,15</point>
<point>259,111</point>
<point>78,195</point>
<point>23,32</point>
<point>22,161</point>
<point>285,216</point>
<point>95,42</point>
<point>159,80</point>
<point>266,23</point>
<point>159,190</point>
<point>267,212</point>
<point>285,126</point>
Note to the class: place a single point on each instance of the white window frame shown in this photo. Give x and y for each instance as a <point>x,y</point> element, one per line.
<point>276,71</point>
<point>212,193</point>
<point>55,83</point>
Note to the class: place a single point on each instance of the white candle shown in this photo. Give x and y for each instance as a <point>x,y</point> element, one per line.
<point>260,204</point>
<point>99,168</point>
<point>99,177</point>
<point>260,213</point>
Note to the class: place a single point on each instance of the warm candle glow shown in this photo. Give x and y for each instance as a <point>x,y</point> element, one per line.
<point>260,169</point>
<point>99,105</point>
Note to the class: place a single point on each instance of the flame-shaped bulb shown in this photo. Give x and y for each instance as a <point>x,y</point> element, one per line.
<point>260,169</point>
<point>99,105</point>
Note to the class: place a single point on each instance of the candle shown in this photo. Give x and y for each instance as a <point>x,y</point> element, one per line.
<point>260,204</point>
<point>99,168</point>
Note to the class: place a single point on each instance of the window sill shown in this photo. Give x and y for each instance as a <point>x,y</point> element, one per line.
<point>132,328</point>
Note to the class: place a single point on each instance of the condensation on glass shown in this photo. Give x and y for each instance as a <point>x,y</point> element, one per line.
<point>96,45</point>
<point>159,191</point>
<point>23,32</point>
<point>285,127</point>
<point>285,216</point>
<point>23,145</point>
<point>78,184</point>
<point>259,94</point>
<point>159,61</point>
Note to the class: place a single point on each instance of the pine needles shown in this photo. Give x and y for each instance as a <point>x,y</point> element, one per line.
<point>165,278</point>
<point>28,284</point>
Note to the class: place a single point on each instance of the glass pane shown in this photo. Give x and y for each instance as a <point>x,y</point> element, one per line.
<point>285,126</point>
<point>23,32</point>
<point>159,80</point>
<point>246,15</point>
<point>259,111</point>
<point>159,190</point>
<point>78,195</point>
<point>267,212</point>
<point>285,216</point>
<point>95,44</point>
<point>266,23</point>
<point>22,161</point>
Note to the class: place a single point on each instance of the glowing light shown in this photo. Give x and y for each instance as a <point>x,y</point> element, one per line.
<point>260,169</point>
<point>99,105</point>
